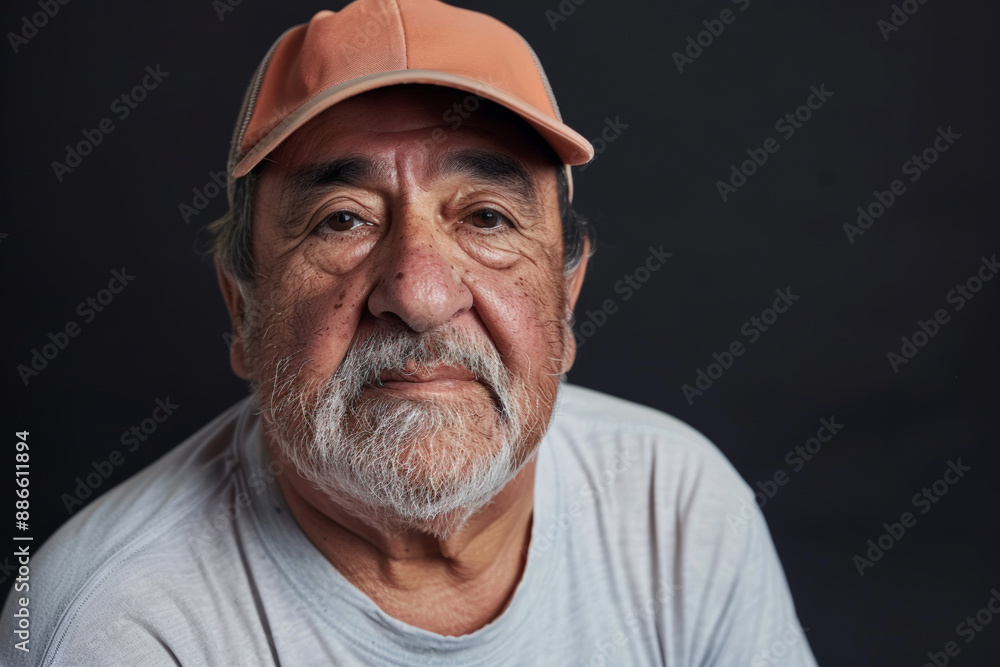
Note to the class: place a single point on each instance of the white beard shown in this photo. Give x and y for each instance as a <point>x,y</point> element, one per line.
<point>427,464</point>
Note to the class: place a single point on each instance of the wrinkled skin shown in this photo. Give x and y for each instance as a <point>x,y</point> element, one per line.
<point>409,244</point>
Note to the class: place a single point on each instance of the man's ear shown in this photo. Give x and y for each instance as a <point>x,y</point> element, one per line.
<point>575,280</point>
<point>235,305</point>
<point>574,283</point>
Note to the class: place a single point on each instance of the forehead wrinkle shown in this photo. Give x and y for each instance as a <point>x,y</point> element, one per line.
<point>309,184</point>
<point>489,167</point>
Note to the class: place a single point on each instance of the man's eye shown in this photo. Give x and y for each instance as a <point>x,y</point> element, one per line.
<point>342,221</point>
<point>487,218</point>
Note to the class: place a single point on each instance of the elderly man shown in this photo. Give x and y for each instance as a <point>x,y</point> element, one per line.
<point>410,483</point>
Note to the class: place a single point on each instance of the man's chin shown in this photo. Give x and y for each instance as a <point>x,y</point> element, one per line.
<point>438,507</point>
<point>432,482</point>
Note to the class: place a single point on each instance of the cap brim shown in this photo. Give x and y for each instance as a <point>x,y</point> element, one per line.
<point>571,147</point>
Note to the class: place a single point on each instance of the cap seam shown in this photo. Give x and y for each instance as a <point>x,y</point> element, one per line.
<point>543,76</point>
<point>236,150</point>
<point>402,29</point>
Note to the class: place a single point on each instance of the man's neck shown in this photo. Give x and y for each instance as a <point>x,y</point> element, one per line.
<point>451,586</point>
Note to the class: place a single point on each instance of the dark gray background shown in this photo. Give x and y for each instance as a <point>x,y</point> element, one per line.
<point>163,336</point>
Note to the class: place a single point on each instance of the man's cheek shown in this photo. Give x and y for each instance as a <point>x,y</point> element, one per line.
<point>323,326</point>
<point>522,310</point>
<point>279,319</point>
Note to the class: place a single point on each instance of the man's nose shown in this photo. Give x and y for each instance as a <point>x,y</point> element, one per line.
<point>418,281</point>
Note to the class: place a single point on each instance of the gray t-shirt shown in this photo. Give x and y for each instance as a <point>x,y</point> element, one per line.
<point>646,549</point>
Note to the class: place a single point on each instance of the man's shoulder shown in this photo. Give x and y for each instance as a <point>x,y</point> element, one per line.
<point>139,535</point>
<point>598,436</point>
<point>676,518</point>
<point>591,416</point>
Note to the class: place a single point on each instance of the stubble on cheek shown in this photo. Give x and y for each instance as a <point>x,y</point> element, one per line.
<point>545,315</point>
<point>277,326</point>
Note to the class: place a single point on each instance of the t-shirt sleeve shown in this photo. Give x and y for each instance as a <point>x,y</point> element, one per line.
<point>156,607</point>
<point>113,642</point>
<point>107,634</point>
<point>734,580</point>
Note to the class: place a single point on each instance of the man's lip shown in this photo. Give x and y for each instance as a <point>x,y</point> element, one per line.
<point>428,375</point>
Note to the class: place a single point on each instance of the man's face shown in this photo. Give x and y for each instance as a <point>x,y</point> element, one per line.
<point>407,330</point>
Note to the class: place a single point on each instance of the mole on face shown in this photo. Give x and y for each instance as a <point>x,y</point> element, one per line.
<point>399,276</point>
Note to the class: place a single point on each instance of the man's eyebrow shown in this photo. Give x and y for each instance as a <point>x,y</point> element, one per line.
<point>308,184</point>
<point>490,167</point>
<point>351,171</point>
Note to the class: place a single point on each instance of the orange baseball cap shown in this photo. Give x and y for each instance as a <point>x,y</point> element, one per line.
<point>371,44</point>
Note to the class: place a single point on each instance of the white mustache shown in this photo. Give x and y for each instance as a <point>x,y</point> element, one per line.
<point>406,352</point>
